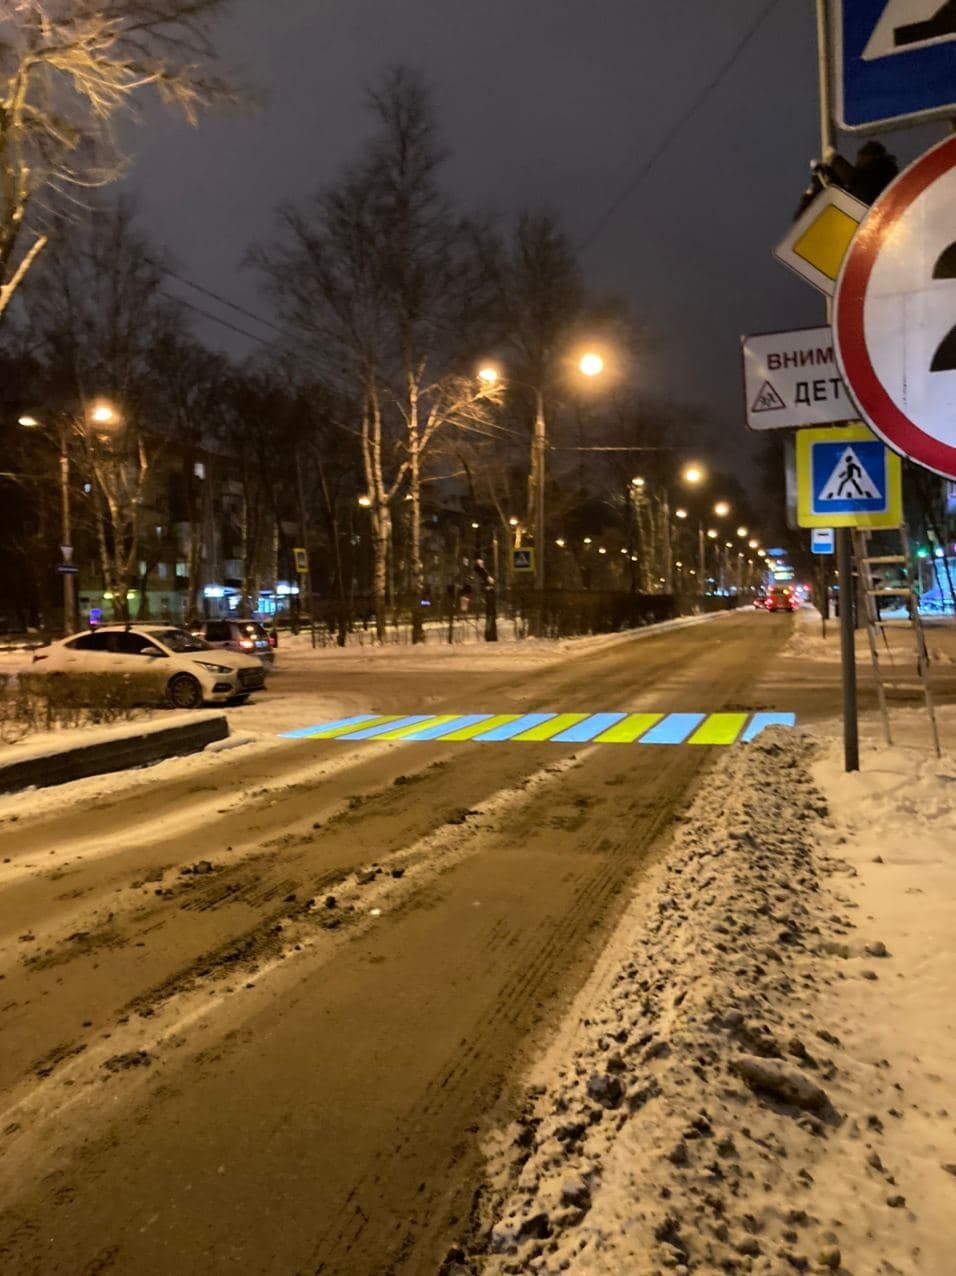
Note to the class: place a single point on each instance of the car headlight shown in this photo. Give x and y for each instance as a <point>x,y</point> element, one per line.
<point>205,664</point>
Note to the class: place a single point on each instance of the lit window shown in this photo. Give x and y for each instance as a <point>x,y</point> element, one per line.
<point>199,469</point>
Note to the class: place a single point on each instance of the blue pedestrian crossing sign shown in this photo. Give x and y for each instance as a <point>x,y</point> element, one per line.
<point>522,560</point>
<point>846,477</point>
<point>895,61</point>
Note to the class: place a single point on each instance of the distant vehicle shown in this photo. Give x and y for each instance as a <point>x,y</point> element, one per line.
<point>760,601</point>
<point>194,672</point>
<point>246,636</point>
<point>782,598</point>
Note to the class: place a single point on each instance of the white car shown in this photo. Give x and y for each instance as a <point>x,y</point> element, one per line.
<point>193,671</point>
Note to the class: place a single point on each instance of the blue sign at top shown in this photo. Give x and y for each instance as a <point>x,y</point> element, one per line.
<point>849,478</point>
<point>895,61</point>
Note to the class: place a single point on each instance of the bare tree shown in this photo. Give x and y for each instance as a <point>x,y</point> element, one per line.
<point>378,277</point>
<point>68,70</point>
<point>96,311</point>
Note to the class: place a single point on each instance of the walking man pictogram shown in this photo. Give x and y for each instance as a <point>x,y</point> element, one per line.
<point>850,474</point>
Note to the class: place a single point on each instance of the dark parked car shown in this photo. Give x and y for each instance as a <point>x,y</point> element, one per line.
<point>246,636</point>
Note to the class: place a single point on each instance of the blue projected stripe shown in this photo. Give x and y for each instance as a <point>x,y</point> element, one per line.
<point>581,732</point>
<point>509,729</point>
<point>443,728</point>
<point>371,732</point>
<point>302,732</point>
<point>760,721</point>
<point>675,729</point>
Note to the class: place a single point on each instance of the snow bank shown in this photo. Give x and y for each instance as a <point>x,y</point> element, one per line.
<point>756,1077</point>
<point>808,642</point>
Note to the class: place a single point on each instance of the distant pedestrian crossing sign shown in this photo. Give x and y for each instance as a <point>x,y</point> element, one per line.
<point>522,560</point>
<point>847,478</point>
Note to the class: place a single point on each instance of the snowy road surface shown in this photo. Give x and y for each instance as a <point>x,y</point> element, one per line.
<point>258,1011</point>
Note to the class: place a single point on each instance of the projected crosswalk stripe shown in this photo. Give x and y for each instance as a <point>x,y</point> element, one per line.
<point>407,732</point>
<point>720,728</point>
<point>559,722</point>
<point>675,729</point>
<point>370,733</point>
<point>587,729</point>
<point>474,728</point>
<point>627,731</point>
<point>760,721</point>
<point>326,728</point>
<point>444,725</point>
<point>508,730</point>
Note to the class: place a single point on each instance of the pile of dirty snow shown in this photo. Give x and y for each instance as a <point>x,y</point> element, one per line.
<point>713,1103</point>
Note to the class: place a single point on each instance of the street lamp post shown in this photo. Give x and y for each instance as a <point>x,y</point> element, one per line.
<point>589,365</point>
<point>98,414</point>
<point>66,525</point>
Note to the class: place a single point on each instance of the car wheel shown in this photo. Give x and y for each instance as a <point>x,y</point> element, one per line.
<point>184,692</point>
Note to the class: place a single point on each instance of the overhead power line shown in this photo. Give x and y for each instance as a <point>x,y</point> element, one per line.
<point>677,127</point>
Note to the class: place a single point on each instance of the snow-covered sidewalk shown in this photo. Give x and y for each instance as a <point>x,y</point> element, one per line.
<point>759,1075</point>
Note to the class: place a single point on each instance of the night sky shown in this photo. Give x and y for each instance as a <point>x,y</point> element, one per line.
<point>553,103</point>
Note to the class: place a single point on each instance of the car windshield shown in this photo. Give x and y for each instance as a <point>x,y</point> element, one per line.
<point>179,640</point>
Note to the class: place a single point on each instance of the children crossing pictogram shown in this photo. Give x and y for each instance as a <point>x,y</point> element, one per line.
<point>768,400</point>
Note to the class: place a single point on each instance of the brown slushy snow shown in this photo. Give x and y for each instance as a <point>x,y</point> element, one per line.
<point>724,1096</point>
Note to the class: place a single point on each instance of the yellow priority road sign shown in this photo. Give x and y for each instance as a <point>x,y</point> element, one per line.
<point>818,240</point>
<point>847,477</point>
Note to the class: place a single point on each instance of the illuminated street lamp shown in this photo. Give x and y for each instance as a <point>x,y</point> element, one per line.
<point>590,365</point>
<point>712,533</point>
<point>693,473</point>
<point>680,513</point>
<point>365,502</point>
<point>722,509</point>
<point>101,413</point>
<point>741,532</point>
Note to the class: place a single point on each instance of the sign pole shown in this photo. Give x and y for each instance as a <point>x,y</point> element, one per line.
<point>851,739</point>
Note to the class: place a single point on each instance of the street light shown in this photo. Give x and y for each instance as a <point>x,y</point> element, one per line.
<point>365,502</point>
<point>102,413</point>
<point>590,365</point>
<point>741,532</point>
<point>722,509</point>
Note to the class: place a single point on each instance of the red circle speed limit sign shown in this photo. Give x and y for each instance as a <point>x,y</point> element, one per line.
<point>894,316</point>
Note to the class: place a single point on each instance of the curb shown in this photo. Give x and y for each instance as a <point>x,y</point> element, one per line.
<point>85,760</point>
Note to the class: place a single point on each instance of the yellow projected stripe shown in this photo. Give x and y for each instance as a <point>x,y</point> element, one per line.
<point>719,728</point>
<point>332,733</point>
<point>628,729</point>
<point>399,733</point>
<point>547,729</point>
<point>479,728</point>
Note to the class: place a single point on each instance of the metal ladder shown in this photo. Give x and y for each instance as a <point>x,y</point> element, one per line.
<point>876,626</point>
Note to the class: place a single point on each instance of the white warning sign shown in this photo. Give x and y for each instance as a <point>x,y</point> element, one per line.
<point>792,379</point>
<point>849,481</point>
